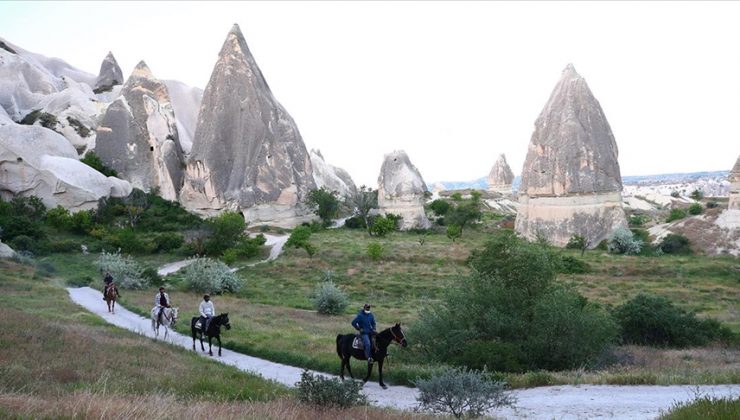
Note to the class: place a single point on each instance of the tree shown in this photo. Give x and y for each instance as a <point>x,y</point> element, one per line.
<point>464,213</point>
<point>227,230</point>
<point>299,238</point>
<point>697,195</point>
<point>364,200</point>
<point>324,203</point>
<point>136,204</point>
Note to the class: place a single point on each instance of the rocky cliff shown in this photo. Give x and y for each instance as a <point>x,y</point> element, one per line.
<point>571,182</point>
<point>110,75</point>
<point>501,177</point>
<point>247,153</point>
<point>331,177</point>
<point>138,136</point>
<point>734,178</point>
<point>402,191</point>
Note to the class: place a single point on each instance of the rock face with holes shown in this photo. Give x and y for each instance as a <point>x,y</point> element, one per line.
<point>110,75</point>
<point>247,154</point>
<point>402,191</point>
<point>138,136</point>
<point>330,177</point>
<point>571,183</point>
<point>734,203</point>
<point>501,177</point>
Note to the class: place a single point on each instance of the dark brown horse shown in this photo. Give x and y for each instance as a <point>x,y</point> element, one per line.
<point>383,340</point>
<point>214,331</point>
<point>111,293</point>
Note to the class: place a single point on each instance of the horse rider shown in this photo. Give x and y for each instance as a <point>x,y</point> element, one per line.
<point>207,310</point>
<point>364,322</point>
<point>108,280</point>
<point>161,301</point>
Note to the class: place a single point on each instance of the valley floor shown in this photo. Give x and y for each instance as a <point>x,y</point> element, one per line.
<point>586,401</point>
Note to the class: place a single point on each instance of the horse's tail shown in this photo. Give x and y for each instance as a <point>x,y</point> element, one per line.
<point>339,350</point>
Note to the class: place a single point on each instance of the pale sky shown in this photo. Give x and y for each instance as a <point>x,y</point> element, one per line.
<point>453,84</point>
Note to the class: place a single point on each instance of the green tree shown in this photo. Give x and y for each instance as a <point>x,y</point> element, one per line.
<point>440,207</point>
<point>364,200</point>
<point>324,203</point>
<point>696,195</point>
<point>299,238</point>
<point>92,160</point>
<point>226,231</point>
<point>382,225</point>
<point>464,213</point>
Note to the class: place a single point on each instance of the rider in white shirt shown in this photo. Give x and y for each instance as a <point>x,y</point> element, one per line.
<point>161,301</point>
<point>207,311</point>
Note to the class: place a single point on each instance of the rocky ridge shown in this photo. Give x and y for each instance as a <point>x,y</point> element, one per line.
<point>402,191</point>
<point>501,177</point>
<point>110,75</point>
<point>331,177</point>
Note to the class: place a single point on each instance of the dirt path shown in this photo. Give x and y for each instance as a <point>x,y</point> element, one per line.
<point>561,402</point>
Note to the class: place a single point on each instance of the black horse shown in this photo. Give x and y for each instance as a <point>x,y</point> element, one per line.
<point>383,339</point>
<point>214,331</point>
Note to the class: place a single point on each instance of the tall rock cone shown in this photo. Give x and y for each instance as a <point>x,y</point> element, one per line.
<point>571,184</point>
<point>402,191</point>
<point>501,177</point>
<point>138,136</point>
<point>734,203</point>
<point>110,75</point>
<point>247,153</point>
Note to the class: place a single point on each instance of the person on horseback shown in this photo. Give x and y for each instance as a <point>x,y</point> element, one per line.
<point>108,280</point>
<point>207,310</point>
<point>161,301</point>
<point>364,322</point>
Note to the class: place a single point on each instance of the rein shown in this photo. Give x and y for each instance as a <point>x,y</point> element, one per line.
<point>395,338</point>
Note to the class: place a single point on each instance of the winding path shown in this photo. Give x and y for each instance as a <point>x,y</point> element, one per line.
<point>561,402</point>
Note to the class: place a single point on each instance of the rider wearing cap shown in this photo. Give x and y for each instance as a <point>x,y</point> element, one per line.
<point>161,301</point>
<point>364,322</point>
<point>207,310</point>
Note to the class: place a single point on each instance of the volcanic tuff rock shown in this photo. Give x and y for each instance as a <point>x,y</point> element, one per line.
<point>734,177</point>
<point>247,153</point>
<point>138,136</point>
<point>37,161</point>
<point>185,103</point>
<point>501,177</point>
<point>401,191</point>
<point>6,251</point>
<point>571,181</point>
<point>331,177</point>
<point>110,74</point>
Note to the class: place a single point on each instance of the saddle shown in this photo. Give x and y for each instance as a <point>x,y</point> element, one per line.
<point>359,345</point>
<point>198,325</point>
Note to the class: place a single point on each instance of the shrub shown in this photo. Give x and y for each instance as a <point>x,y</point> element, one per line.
<point>462,392</point>
<point>676,214</point>
<point>92,160</point>
<point>230,256</point>
<point>696,195</point>
<point>675,244</point>
<point>456,196</point>
<point>439,207</point>
<point>375,251</point>
<point>572,265</point>
<point>355,222</point>
<point>675,194</point>
<point>329,299</point>
<point>382,225</point>
<point>324,203</point>
<point>453,232</point>
<point>81,222</point>
<point>695,209</point>
<point>47,120</point>
<point>64,245</point>
<point>299,238</point>
<point>603,245</point>
<point>712,204</point>
<point>654,321</point>
<point>329,392</point>
<point>704,407</point>
<point>79,127</point>
<point>622,241</point>
<point>130,241</point>
<point>206,275</point>
<point>22,243</point>
<point>638,220</point>
<point>227,229</point>
<point>250,247</point>
<point>576,242</point>
<point>59,218</point>
<point>126,272</point>
<point>167,241</point>
<point>152,277</point>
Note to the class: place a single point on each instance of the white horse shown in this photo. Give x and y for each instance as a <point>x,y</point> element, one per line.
<point>169,318</point>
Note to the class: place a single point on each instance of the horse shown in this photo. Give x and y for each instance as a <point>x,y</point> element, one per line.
<point>383,340</point>
<point>214,331</point>
<point>169,318</point>
<point>111,293</point>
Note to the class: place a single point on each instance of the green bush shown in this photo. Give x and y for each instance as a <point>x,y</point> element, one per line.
<point>81,222</point>
<point>22,216</point>
<point>130,241</point>
<point>439,207</point>
<point>60,218</point>
<point>23,243</point>
<point>576,242</point>
<point>622,241</point>
<point>675,244</point>
<point>92,160</point>
<point>329,392</point>
<point>47,120</point>
<point>64,245</point>
<point>572,265</point>
<point>675,194</point>
<point>79,127</point>
<point>329,299</point>
<point>167,241</point>
<point>638,220</point>
<point>324,203</point>
<point>462,392</point>
<point>706,408</point>
<point>299,238</point>
<point>126,272</point>
<point>382,225</point>
<point>695,209</point>
<point>226,230</point>
<point>654,321</point>
<point>230,256</point>
<point>152,277</point>
<point>206,275</point>
<point>453,232</point>
<point>375,251</point>
<point>355,222</point>
<point>676,214</point>
<point>696,195</point>
<point>712,204</point>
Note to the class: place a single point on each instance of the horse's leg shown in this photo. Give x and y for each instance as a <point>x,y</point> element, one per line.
<point>218,337</point>
<point>192,332</point>
<point>113,309</point>
<point>210,352</point>
<point>347,361</point>
<point>166,331</point>
<point>380,373</point>
<point>369,371</point>
<point>341,371</point>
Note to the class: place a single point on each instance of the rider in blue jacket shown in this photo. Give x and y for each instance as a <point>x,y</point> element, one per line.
<point>364,322</point>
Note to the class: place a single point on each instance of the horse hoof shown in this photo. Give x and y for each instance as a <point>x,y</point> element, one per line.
<point>384,386</point>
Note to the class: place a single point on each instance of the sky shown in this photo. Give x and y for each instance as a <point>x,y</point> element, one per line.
<point>454,84</point>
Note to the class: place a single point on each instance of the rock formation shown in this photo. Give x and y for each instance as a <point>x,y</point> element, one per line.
<point>401,191</point>
<point>110,75</point>
<point>6,251</point>
<point>138,136</point>
<point>501,177</point>
<point>734,203</point>
<point>247,153</point>
<point>571,183</point>
<point>331,177</point>
<point>37,161</point>
<point>186,104</point>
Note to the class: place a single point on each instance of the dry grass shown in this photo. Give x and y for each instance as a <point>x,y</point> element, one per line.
<point>89,405</point>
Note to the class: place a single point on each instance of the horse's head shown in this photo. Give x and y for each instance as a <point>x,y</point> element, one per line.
<point>173,315</point>
<point>398,335</point>
<point>225,321</point>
